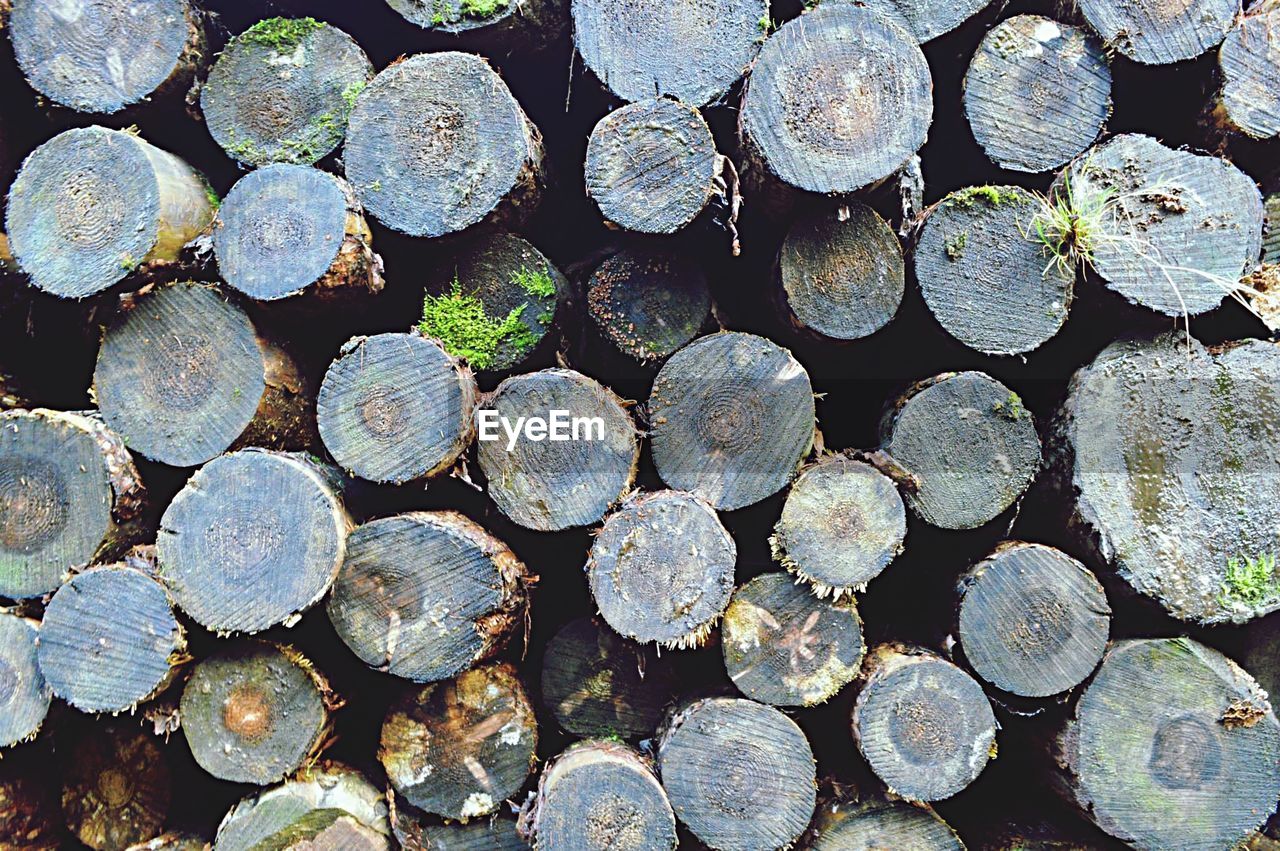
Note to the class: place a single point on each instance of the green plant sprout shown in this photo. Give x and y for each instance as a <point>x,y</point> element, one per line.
<point>1251,581</point>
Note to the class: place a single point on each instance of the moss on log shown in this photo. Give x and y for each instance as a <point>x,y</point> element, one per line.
<point>878,823</point>
<point>116,787</point>
<point>499,27</point>
<point>648,303</point>
<point>1249,60</point>
<point>24,693</point>
<point>326,830</point>
<point>1162,32</point>
<point>927,21</point>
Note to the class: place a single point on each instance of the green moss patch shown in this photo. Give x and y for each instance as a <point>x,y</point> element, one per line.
<point>973,195</point>
<point>1250,581</point>
<point>280,34</point>
<point>537,283</point>
<point>1012,408</point>
<point>459,321</point>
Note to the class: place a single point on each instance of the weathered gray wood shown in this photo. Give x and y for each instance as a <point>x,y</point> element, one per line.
<point>926,21</point>
<point>558,484</point>
<point>24,694</point>
<point>91,205</point>
<point>1032,620</point>
<point>1250,63</point>
<point>731,417</point>
<point>1271,239</point>
<point>839,99</point>
<point>116,786</point>
<point>499,27</point>
<point>281,91</point>
<point>986,282</point>
<point>877,823</point>
<point>396,407</point>
<point>1165,447</point>
<point>1172,745</point>
<point>924,725</point>
<point>969,444</point>
<point>69,496</point>
<point>1037,92</point>
<point>417,832</point>
<point>437,143</point>
<point>784,646</point>
<point>460,748</point>
<point>1161,33</point>
<point>739,774</point>
<point>253,539</point>
<point>648,303</point>
<point>426,595</point>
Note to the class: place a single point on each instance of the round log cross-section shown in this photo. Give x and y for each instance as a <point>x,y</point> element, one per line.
<point>1250,63</point>
<point>1163,31</point>
<point>875,823</point>
<point>24,694</point>
<point>647,304</point>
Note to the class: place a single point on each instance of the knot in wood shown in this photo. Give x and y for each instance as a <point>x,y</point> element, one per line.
<point>247,713</point>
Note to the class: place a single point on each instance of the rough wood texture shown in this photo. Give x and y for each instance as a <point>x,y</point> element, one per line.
<point>1037,92</point>
<point>648,303</point>
<point>983,278</point>
<point>24,694</point>
<point>839,99</point>
<point>437,143</point>
<point>968,444</point>
<point>1161,32</point>
<point>500,28</point>
<point>91,205</point>
<point>924,725</point>
<point>840,273</point>
<point>282,90</point>
<point>927,21</point>
<point>284,230</point>
<point>183,375</point>
<point>426,595</point>
<point>1250,63</point>
<point>69,496</point>
<point>1032,620</point>
<point>116,787</point>
<point>461,747</point>
<point>784,646</point>
<point>1162,446</point>
<point>731,417</point>
<point>415,832</point>
<point>558,484</point>
<point>1172,745</point>
<point>739,774</point>
<point>253,539</point>
<point>877,823</point>
<point>326,830</point>
<point>396,407</point>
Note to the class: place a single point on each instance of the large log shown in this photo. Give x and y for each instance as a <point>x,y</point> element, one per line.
<point>648,303</point>
<point>1161,33</point>
<point>24,694</point>
<point>1249,60</point>
<point>498,27</point>
<point>116,786</point>
<point>876,823</point>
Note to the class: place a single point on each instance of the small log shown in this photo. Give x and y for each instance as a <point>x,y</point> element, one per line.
<point>1032,621</point>
<point>24,694</point>
<point>923,725</point>
<point>497,832</point>
<point>282,90</point>
<point>599,795</point>
<point>116,787</point>
<point>881,823</point>
<point>784,646</point>
<point>927,21</point>
<point>396,408</point>
<point>437,143</point>
<point>1172,745</point>
<point>1161,33</point>
<point>496,27</point>
<point>840,273</point>
<point>839,99</point>
<point>968,443</point>
<point>842,524</point>
<point>647,304</point>
<point>427,595</point>
<point>459,748</point>
<point>91,205</point>
<point>69,497</point>
<point>731,416</point>
<point>739,774</point>
<point>229,546</point>
<point>985,277</point>
<point>183,375</point>
<point>1249,60</point>
<point>549,485</point>
<point>285,230</point>
<point>1037,92</point>
<point>598,685</point>
<point>107,55</point>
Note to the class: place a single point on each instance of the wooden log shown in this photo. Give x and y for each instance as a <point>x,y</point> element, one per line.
<point>1271,234</point>
<point>881,823</point>
<point>228,544</point>
<point>731,416</point>
<point>419,832</point>
<point>739,774</point>
<point>24,693</point>
<point>282,90</point>
<point>325,830</point>
<point>183,375</point>
<point>840,273</point>
<point>598,685</point>
<point>839,99</point>
<point>105,56</point>
<point>1172,745</point>
<point>1161,444</point>
<point>968,443</point>
<point>599,795</point>
<point>784,646</point>
<point>91,205</point>
<point>255,712</point>
<point>1037,92</point>
<point>925,21</point>
<point>648,303</point>
<point>69,497</point>
<point>459,748</point>
<point>1032,620</point>
<point>109,639</point>
<point>552,484</point>
<point>426,595</point>
<point>497,27</point>
<point>1161,33</point>
<point>30,818</point>
<point>651,166</point>
<point>285,230</point>
<point>396,408</point>
<point>115,787</point>
<point>842,524</point>
<point>982,275</point>
<point>1249,61</point>
<point>437,143</point>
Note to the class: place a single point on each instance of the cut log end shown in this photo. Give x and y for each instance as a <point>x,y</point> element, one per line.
<point>648,304</point>
<point>24,693</point>
<point>416,831</point>
<point>1163,32</point>
<point>1250,64</point>
<point>927,21</point>
<point>116,787</point>
<point>877,823</point>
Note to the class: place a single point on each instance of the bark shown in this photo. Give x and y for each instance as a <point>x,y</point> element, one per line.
<point>116,787</point>
<point>24,694</point>
<point>647,304</point>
